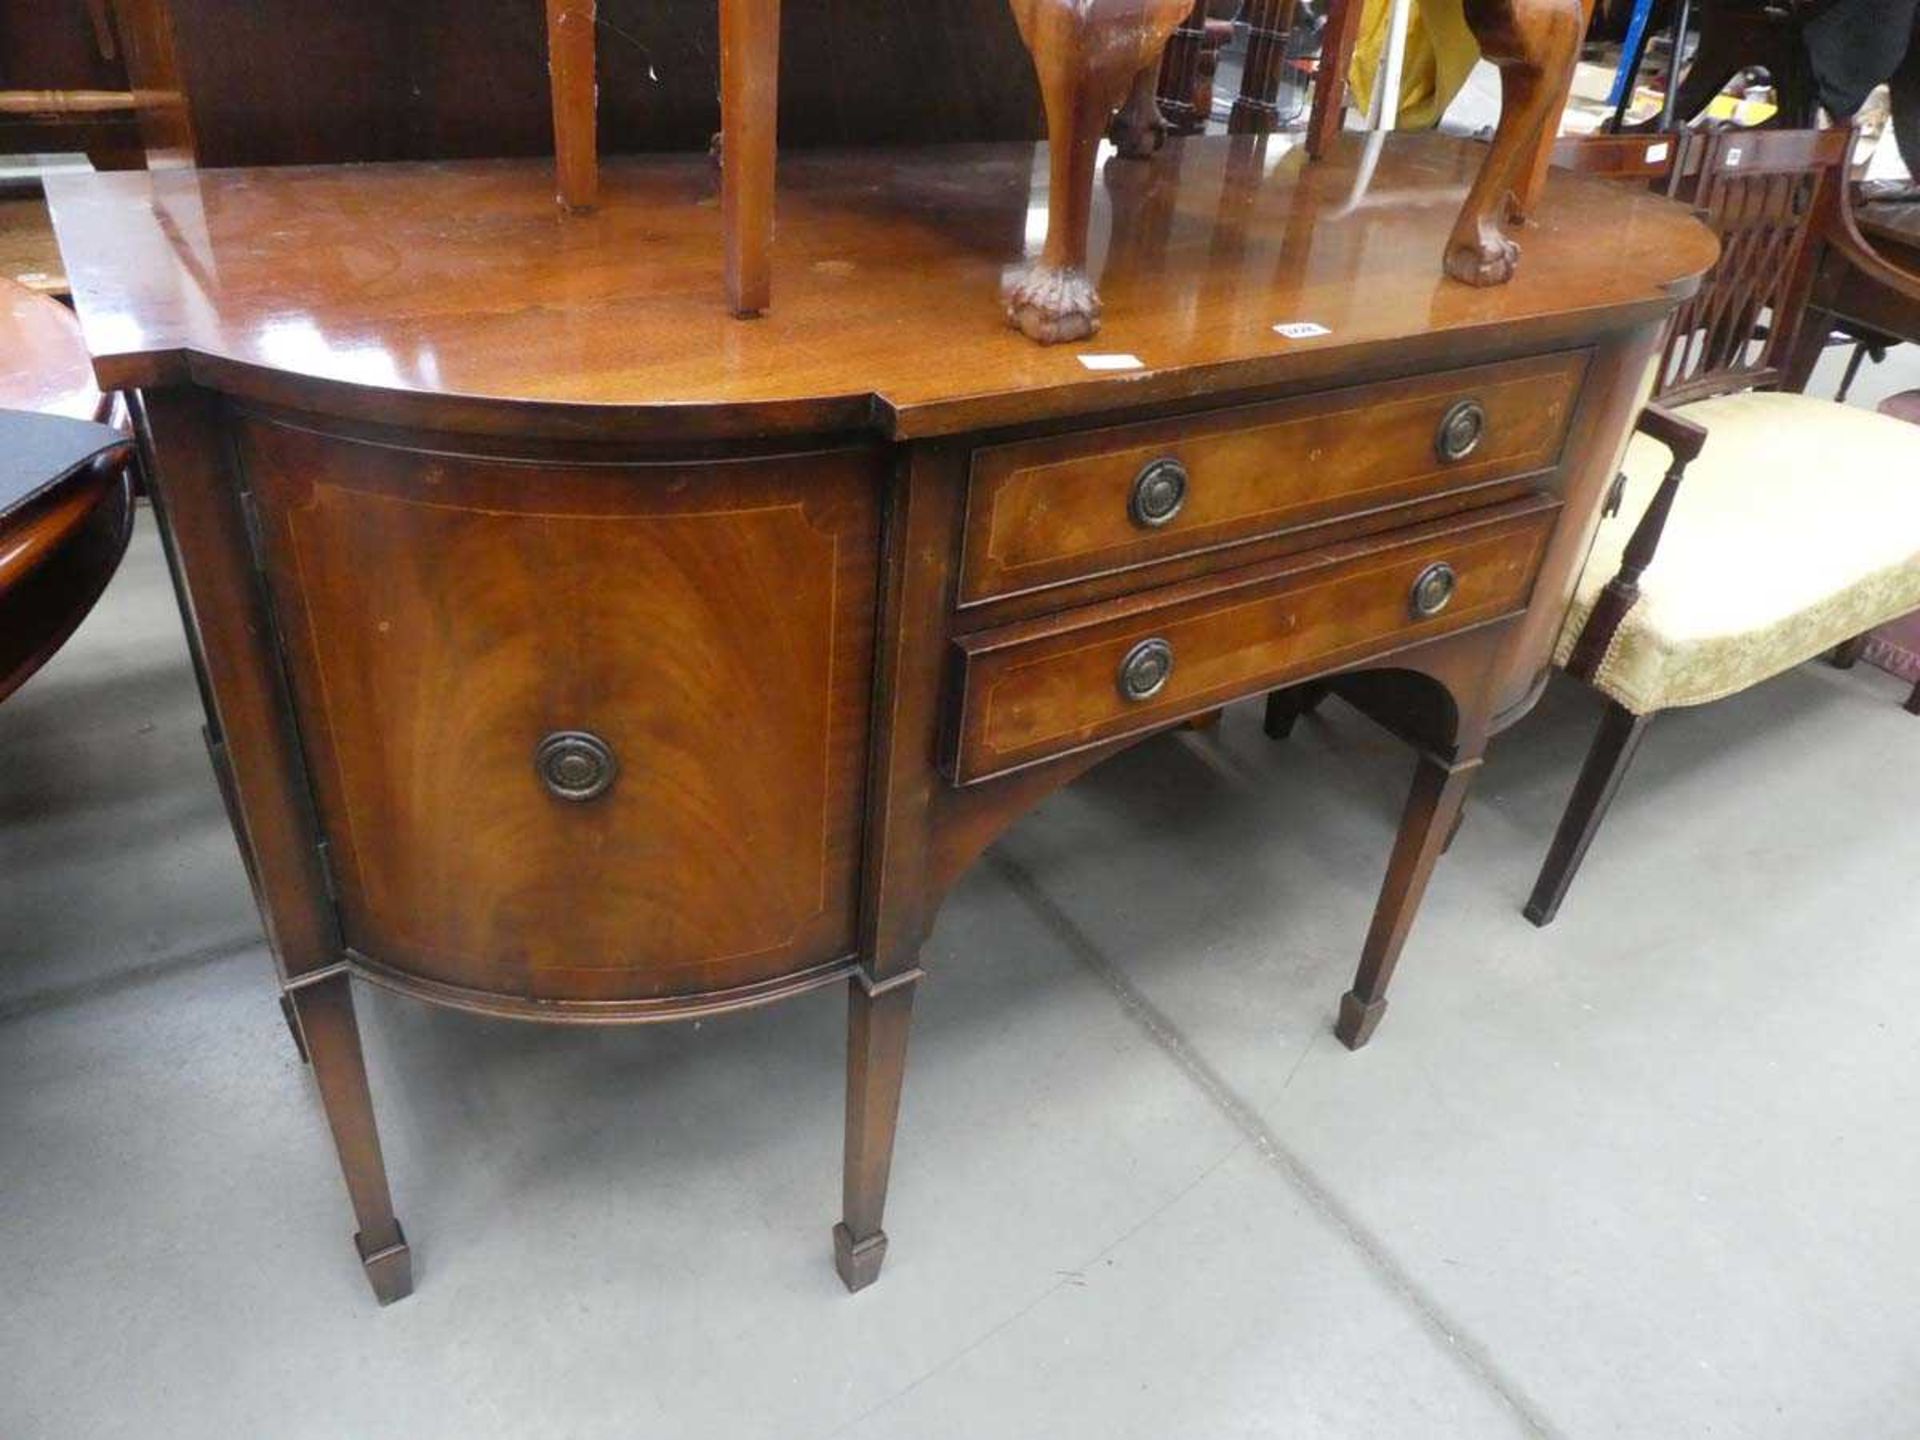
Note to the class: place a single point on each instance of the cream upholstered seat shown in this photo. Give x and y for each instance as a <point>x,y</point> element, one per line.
<point>1796,529</point>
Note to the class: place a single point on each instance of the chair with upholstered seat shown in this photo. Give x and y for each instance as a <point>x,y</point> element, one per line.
<point>1752,529</point>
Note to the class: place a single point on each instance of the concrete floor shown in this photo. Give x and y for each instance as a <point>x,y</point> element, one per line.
<point>1649,1173</point>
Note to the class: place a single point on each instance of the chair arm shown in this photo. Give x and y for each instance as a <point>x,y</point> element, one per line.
<point>1683,440</point>
<point>1872,266</point>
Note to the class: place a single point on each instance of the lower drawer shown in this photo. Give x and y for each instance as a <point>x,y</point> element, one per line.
<point>1045,688</point>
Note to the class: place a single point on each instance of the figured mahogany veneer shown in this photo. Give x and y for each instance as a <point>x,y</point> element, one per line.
<point>577,653</point>
<point>444,614</point>
<point>1045,512</point>
<point>1046,688</point>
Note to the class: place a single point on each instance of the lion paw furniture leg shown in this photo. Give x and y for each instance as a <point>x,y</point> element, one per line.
<point>1439,790</point>
<point>1086,53</point>
<point>1140,129</point>
<point>1535,44</point>
<point>877,1022</point>
<point>325,1011</point>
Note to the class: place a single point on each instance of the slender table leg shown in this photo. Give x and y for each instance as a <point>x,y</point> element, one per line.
<point>749,112</point>
<point>1337,43</point>
<point>876,1063</point>
<point>570,69</point>
<point>1439,790</point>
<point>325,1008</point>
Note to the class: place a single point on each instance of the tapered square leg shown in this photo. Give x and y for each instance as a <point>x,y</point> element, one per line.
<point>293,1028</point>
<point>1439,790</point>
<point>877,1025</point>
<point>325,1012</point>
<point>1613,749</point>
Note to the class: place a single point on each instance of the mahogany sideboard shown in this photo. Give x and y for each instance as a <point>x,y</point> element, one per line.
<point>575,652</point>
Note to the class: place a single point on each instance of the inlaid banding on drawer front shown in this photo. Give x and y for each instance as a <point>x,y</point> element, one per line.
<point>1072,507</point>
<point>1040,689</point>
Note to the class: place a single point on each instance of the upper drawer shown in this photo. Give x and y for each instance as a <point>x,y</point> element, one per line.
<point>1070,507</point>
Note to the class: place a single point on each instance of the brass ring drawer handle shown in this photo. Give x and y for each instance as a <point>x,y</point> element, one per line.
<point>1159,490</point>
<point>1461,430</point>
<point>1433,590</point>
<point>575,765</point>
<point>1143,674</point>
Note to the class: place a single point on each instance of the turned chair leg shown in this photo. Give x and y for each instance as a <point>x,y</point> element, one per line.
<point>325,1012</point>
<point>1439,790</point>
<point>877,1025</point>
<point>1286,707</point>
<point>1613,748</point>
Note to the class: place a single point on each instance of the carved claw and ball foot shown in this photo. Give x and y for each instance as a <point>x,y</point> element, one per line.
<point>1535,44</point>
<point>1139,129</point>
<point>1052,306</point>
<point>389,1266</point>
<point>1486,260</point>
<point>858,1261</point>
<point>1089,55</point>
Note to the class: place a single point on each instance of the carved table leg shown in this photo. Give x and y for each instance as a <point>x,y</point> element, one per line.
<point>877,1024</point>
<point>1086,54</point>
<point>1535,43</point>
<point>1439,790</point>
<point>325,1010</point>
<point>749,111</point>
<point>1140,129</point>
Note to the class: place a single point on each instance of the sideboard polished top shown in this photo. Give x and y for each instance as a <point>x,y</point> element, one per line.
<point>436,291</point>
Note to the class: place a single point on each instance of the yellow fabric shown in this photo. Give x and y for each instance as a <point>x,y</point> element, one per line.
<point>1797,528</point>
<point>1441,51</point>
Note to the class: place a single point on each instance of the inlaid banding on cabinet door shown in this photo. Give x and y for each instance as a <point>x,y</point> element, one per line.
<point>446,614</point>
<point>1044,688</point>
<point>1061,509</point>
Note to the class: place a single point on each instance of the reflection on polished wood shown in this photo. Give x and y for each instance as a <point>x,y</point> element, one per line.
<point>577,653</point>
<point>370,277</point>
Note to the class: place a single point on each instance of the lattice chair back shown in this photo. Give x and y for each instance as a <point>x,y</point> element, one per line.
<point>1770,195</point>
